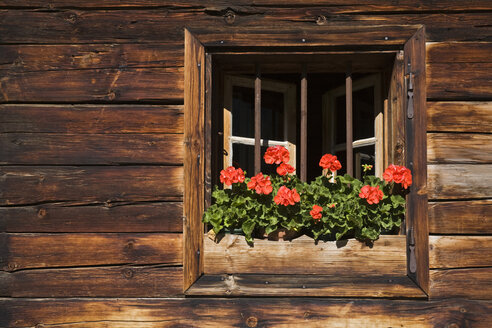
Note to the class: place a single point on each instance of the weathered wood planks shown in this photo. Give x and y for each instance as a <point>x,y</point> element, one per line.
<point>27,251</point>
<point>116,85</point>
<point>64,217</point>
<point>278,285</point>
<point>247,312</point>
<point>91,149</point>
<point>92,184</point>
<point>460,251</point>
<point>97,119</point>
<point>461,217</point>
<point>459,116</point>
<point>473,283</point>
<point>449,148</point>
<point>455,181</point>
<point>118,281</point>
<point>302,256</point>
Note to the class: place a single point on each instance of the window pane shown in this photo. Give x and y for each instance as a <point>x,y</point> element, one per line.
<point>272,113</point>
<point>363,101</point>
<point>366,157</point>
<point>243,157</point>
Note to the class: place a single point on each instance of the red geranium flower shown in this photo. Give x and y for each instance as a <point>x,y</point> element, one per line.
<point>261,184</point>
<point>231,175</point>
<point>398,174</point>
<point>372,194</point>
<point>330,162</point>
<point>316,212</point>
<point>283,169</point>
<point>277,155</point>
<point>332,205</point>
<point>286,197</point>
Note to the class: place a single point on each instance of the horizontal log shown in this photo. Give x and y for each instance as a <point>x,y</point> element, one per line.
<point>119,84</point>
<point>43,57</point>
<point>302,256</point>
<point>93,149</point>
<point>27,251</point>
<point>305,285</point>
<point>449,148</point>
<point>91,119</point>
<point>163,25</point>
<point>460,251</point>
<point>246,312</point>
<point>468,283</point>
<point>92,184</point>
<point>459,116</point>
<point>458,52</point>
<point>147,217</point>
<point>461,217</point>
<point>121,281</point>
<point>455,181</point>
<point>458,81</point>
<point>360,6</point>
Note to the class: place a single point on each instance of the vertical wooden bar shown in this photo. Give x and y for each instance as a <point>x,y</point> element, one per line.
<point>258,119</point>
<point>208,130</point>
<point>349,135</point>
<point>303,173</point>
<point>193,198</point>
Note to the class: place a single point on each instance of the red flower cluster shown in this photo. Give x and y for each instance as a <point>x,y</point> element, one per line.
<point>283,169</point>
<point>332,205</point>
<point>261,184</point>
<point>316,212</point>
<point>231,175</point>
<point>398,174</point>
<point>330,162</point>
<point>277,155</point>
<point>286,197</point>
<point>372,194</point>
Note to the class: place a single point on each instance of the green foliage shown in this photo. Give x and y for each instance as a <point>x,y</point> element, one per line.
<point>344,215</point>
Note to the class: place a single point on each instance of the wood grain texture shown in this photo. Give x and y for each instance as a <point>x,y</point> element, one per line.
<point>416,159</point>
<point>459,116</point>
<point>459,81</point>
<point>302,256</point>
<point>473,283</point>
<point>247,312</point>
<point>120,281</point>
<point>449,148</point>
<point>29,185</point>
<point>460,251</point>
<point>461,217</point>
<point>305,285</point>
<point>455,181</point>
<point>91,119</point>
<point>194,159</point>
<point>459,52</point>
<point>123,217</point>
<point>90,149</point>
<point>359,6</point>
<point>43,57</point>
<point>163,25</point>
<point>105,85</point>
<point>26,251</point>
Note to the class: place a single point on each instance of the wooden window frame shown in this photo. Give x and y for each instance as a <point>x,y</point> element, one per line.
<point>408,100</point>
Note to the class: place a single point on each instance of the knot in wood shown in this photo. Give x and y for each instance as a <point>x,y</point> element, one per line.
<point>71,18</point>
<point>111,95</point>
<point>12,266</point>
<point>39,325</point>
<point>42,213</point>
<point>252,322</point>
<point>128,273</point>
<point>130,244</point>
<point>230,17</point>
<point>321,20</point>
<point>462,310</point>
<point>453,325</point>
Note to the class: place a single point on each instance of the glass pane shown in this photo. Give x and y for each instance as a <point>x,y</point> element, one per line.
<point>272,113</point>
<point>340,126</point>
<point>367,156</point>
<point>243,157</point>
<point>363,101</point>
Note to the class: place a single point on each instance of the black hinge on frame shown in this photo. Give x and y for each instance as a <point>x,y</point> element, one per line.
<point>412,265</point>
<point>410,82</point>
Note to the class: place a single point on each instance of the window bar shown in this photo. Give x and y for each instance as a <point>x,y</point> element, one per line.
<point>348,110</point>
<point>258,119</point>
<point>303,123</point>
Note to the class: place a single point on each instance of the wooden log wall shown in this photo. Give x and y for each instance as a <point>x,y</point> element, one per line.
<point>91,154</point>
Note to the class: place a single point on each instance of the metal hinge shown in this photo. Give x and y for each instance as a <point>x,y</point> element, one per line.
<point>410,82</point>
<point>412,265</point>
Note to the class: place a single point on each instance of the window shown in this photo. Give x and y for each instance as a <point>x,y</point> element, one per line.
<point>209,55</point>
